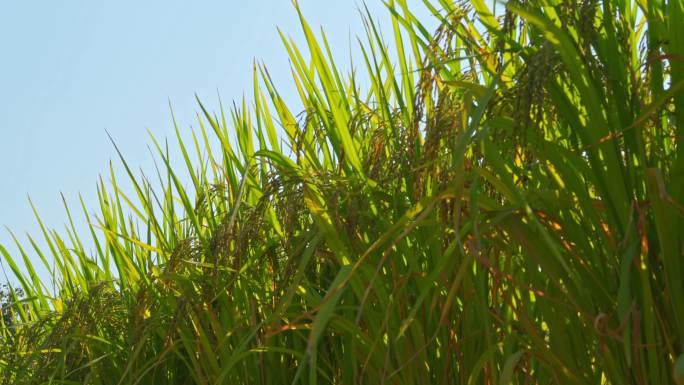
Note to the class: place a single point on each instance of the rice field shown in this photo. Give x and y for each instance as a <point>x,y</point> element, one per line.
<point>498,200</point>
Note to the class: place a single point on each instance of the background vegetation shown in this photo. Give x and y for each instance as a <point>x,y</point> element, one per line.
<point>499,201</point>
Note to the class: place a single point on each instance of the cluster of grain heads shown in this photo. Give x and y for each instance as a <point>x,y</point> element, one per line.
<point>496,201</point>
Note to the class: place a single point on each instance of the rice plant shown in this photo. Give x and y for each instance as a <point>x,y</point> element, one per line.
<point>497,201</point>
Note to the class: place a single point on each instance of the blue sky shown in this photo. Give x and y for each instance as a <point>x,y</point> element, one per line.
<point>69,70</point>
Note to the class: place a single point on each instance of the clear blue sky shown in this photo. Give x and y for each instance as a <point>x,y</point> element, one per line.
<point>71,69</point>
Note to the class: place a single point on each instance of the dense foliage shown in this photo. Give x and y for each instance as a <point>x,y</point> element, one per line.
<point>498,201</point>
